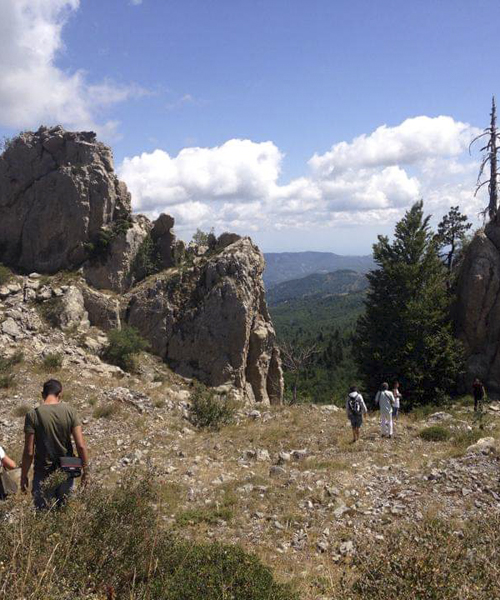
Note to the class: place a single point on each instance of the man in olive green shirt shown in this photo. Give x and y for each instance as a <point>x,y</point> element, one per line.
<point>48,431</point>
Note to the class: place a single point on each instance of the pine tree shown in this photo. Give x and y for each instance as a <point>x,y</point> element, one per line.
<point>405,333</point>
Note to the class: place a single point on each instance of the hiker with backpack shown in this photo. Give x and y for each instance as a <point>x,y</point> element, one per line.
<point>385,399</point>
<point>355,408</point>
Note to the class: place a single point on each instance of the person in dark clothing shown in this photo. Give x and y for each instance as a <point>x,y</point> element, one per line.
<point>479,394</point>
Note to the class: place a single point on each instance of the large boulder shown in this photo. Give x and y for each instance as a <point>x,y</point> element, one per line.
<point>478,308</point>
<point>57,191</point>
<point>210,321</point>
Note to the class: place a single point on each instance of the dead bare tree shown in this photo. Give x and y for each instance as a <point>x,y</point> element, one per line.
<point>295,358</point>
<point>492,149</point>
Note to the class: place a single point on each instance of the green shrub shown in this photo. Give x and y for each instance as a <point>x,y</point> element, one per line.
<point>50,310</point>
<point>52,362</point>
<point>5,274</point>
<point>99,248</point>
<point>7,380</point>
<point>210,515</point>
<point>208,410</point>
<point>147,260</point>
<point>123,345</point>
<point>435,433</point>
<point>105,411</point>
<point>113,543</point>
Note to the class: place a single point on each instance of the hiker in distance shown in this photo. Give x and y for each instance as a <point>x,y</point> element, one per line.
<point>355,408</point>
<point>385,400</point>
<point>479,394</point>
<point>48,431</point>
<point>397,400</point>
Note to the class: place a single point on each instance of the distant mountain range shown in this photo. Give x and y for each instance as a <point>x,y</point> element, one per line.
<point>284,266</point>
<point>343,281</point>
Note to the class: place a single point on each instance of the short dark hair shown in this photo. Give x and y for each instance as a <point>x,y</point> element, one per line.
<point>52,387</point>
<point>354,388</point>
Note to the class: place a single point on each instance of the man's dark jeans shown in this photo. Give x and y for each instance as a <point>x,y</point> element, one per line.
<point>46,497</point>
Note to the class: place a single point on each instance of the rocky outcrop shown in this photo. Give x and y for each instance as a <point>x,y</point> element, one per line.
<point>58,190</point>
<point>210,321</point>
<point>478,308</point>
<point>62,207</point>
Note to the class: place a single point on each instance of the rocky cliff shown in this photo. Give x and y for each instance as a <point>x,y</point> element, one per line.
<point>478,308</point>
<point>202,309</point>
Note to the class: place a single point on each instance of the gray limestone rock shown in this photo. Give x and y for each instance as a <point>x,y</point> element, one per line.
<point>57,190</point>
<point>211,322</point>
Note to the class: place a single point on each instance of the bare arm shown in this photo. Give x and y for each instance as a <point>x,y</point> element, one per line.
<point>8,463</point>
<point>28,453</point>
<point>81,448</point>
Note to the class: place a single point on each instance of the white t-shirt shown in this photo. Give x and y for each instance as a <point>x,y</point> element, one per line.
<point>397,397</point>
<point>2,453</point>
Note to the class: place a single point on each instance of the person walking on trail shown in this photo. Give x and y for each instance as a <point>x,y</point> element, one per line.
<point>385,400</point>
<point>479,394</point>
<point>397,400</point>
<point>48,431</point>
<point>355,408</point>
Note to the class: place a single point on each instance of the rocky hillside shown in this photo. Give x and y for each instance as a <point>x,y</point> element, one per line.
<point>284,482</point>
<point>319,285</point>
<point>202,309</point>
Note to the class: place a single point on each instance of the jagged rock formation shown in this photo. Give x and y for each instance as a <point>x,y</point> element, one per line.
<point>58,190</point>
<point>204,313</point>
<point>210,320</point>
<point>478,308</point>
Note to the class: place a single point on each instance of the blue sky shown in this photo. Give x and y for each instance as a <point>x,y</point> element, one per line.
<point>159,77</point>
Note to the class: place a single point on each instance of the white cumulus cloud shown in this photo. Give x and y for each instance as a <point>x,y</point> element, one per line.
<point>412,141</point>
<point>33,89</point>
<point>372,179</point>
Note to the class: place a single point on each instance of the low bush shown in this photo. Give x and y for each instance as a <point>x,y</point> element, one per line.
<point>210,515</point>
<point>123,345</point>
<point>435,433</point>
<point>52,362</point>
<point>105,411</point>
<point>113,544</point>
<point>209,410</point>
<point>5,275</point>
<point>432,560</point>
<point>7,380</point>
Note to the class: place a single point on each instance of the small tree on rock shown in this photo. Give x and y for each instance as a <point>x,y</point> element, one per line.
<point>451,234</point>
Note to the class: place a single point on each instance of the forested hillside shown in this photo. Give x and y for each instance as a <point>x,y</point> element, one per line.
<point>343,281</point>
<point>284,266</point>
<point>323,325</point>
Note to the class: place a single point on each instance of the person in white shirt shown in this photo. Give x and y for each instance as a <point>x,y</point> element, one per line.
<point>397,400</point>
<point>6,462</point>
<point>385,400</point>
<point>355,407</point>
